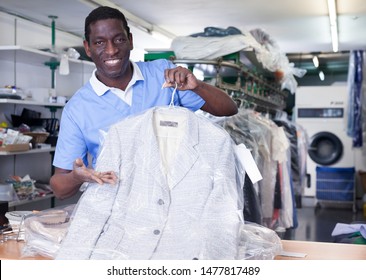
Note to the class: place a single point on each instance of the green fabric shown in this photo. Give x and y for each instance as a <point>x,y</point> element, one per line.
<point>357,238</point>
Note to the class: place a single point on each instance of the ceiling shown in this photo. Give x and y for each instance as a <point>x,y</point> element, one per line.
<point>298,27</point>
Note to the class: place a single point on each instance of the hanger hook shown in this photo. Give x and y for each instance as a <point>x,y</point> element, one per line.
<point>171,104</point>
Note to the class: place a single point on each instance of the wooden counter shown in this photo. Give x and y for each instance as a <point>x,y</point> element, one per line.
<point>12,250</point>
<point>323,250</point>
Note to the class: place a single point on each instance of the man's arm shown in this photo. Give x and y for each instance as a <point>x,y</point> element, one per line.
<point>218,103</point>
<point>66,183</point>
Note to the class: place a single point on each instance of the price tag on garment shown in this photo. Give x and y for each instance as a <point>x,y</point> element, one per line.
<point>247,161</point>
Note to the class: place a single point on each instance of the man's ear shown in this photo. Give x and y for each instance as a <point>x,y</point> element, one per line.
<point>131,41</point>
<point>86,47</point>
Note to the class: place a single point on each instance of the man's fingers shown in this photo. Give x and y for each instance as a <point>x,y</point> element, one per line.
<point>97,179</point>
<point>104,177</point>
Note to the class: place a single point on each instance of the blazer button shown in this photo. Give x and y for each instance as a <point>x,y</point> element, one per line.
<point>160,202</point>
<point>156,232</point>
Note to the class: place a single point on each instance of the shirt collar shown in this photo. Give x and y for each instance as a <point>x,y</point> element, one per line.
<point>101,88</point>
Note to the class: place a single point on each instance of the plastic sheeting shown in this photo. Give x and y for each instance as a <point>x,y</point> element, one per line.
<point>266,49</point>
<point>153,212</point>
<point>271,148</point>
<point>45,230</point>
<point>177,197</point>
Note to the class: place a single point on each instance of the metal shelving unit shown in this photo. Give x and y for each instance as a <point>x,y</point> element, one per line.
<point>245,82</point>
<point>245,85</point>
<point>16,57</point>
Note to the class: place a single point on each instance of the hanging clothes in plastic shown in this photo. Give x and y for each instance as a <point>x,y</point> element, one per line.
<point>268,144</point>
<point>240,131</point>
<point>277,144</point>
<point>291,133</point>
<point>355,80</point>
<point>294,166</point>
<point>177,197</point>
<point>252,210</point>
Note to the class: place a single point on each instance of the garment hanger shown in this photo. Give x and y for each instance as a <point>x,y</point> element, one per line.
<point>171,104</point>
<point>171,109</point>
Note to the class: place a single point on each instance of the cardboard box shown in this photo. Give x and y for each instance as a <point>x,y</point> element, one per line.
<point>15,148</point>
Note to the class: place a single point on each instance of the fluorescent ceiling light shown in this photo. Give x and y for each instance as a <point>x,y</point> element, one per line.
<point>316,61</point>
<point>321,76</point>
<point>333,24</point>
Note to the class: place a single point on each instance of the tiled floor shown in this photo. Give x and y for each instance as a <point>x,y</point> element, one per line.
<point>317,224</point>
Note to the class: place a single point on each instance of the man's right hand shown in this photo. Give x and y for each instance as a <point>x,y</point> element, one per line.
<point>84,174</point>
<point>66,183</point>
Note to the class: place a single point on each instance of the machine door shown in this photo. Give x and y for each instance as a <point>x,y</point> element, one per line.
<point>325,148</point>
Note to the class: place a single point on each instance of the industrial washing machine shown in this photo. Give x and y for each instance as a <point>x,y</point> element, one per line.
<point>322,112</point>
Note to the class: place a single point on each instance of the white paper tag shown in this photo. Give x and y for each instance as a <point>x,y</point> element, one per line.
<point>247,161</point>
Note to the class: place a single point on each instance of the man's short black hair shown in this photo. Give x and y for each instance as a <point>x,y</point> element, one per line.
<point>104,12</point>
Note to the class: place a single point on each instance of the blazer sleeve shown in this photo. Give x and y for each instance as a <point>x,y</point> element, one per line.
<point>222,215</point>
<point>94,207</point>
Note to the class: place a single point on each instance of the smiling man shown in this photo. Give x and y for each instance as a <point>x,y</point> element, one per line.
<point>119,88</point>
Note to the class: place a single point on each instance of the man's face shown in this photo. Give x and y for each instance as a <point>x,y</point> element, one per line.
<point>109,47</point>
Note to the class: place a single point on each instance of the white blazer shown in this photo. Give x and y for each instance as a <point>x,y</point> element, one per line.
<point>192,211</point>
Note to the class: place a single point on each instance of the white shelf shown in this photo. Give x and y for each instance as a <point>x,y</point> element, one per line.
<point>36,57</point>
<point>26,201</point>
<point>25,55</point>
<point>29,102</point>
<point>33,151</point>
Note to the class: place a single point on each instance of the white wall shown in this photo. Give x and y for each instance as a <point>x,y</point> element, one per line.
<point>18,31</point>
<point>35,77</point>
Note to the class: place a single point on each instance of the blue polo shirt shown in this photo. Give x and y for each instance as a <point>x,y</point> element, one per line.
<point>87,116</point>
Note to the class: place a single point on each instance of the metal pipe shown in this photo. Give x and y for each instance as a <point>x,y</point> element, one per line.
<point>53,28</point>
